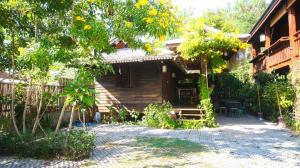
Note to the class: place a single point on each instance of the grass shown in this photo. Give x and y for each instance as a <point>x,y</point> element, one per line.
<point>162,152</point>
<point>169,146</point>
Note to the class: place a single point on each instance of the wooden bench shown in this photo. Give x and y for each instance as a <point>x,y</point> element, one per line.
<point>185,113</point>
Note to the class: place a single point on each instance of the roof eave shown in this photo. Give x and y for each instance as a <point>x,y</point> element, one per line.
<point>264,17</point>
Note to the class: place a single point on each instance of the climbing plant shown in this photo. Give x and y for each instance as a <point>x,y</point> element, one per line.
<point>210,46</point>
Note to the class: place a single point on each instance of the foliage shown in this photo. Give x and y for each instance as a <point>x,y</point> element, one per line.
<point>38,36</point>
<point>123,114</point>
<point>159,116</point>
<point>286,99</point>
<point>245,13</point>
<point>5,123</point>
<point>73,145</point>
<point>134,114</point>
<point>191,124</point>
<point>297,126</point>
<point>234,16</point>
<point>80,90</point>
<point>233,86</point>
<point>80,144</point>
<point>206,104</point>
<point>209,45</point>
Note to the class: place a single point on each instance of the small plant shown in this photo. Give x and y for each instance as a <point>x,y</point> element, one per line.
<point>192,124</point>
<point>123,114</point>
<point>112,113</point>
<point>159,116</point>
<point>134,114</point>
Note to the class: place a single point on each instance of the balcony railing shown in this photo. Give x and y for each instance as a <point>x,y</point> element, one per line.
<point>278,53</point>
<point>297,43</point>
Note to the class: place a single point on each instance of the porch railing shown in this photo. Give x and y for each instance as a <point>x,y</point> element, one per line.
<point>279,52</point>
<point>297,43</point>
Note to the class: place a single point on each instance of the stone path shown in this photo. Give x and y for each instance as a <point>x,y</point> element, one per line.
<point>238,142</point>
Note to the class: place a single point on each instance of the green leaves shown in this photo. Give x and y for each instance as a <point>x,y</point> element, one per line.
<point>80,90</point>
<point>203,41</point>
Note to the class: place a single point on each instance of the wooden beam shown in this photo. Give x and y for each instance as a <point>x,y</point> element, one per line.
<point>292,26</point>
<point>290,3</point>
<point>268,36</point>
<point>278,16</point>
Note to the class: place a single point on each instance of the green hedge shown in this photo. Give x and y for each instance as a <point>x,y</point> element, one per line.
<point>73,145</point>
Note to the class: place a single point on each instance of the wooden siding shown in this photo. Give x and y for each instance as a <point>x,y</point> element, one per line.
<point>147,89</point>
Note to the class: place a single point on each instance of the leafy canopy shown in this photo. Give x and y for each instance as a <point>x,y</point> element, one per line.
<point>202,41</point>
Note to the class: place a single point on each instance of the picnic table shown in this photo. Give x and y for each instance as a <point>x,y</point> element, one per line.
<point>232,108</point>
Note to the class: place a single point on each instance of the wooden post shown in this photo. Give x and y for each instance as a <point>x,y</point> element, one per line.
<point>268,36</point>
<point>165,82</point>
<point>292,28</point>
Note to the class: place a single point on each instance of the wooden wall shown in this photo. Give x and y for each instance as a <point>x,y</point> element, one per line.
<point>147,89</point>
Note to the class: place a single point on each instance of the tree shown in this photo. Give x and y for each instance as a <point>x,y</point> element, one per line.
<point>74,33</point>
<point>243,14</point>
<point>210,46</point>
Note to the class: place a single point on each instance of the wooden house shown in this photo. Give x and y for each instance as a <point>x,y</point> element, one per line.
<point>276,37</point>
<point>140,79</point>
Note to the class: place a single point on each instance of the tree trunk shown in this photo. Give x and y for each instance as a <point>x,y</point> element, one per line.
<point>72,116</point>
<point>27,102</point>
<point>260,115</point>
<point>37,119</point>
<point>278,101</point>
<point>61,116</point>
<point>83,115</point>
<point>13,91</point>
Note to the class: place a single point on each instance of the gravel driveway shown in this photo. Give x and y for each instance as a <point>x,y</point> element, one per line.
<point>238,142</point>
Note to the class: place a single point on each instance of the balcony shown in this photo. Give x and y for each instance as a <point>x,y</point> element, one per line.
<point>278,54</point>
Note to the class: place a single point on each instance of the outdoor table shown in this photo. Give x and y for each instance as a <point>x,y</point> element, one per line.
<point>233,107</point>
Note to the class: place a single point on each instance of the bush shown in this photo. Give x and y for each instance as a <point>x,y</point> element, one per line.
<point>71,145</point>
<point>159,116</point>
<point>297,126</point>
<point>79,144</point>
<point>192,124</point>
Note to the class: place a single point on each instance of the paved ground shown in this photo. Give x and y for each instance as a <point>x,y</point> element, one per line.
<point>238,142</point>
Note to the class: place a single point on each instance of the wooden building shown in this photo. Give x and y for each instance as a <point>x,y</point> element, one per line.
<point>140,79</point>
<point>276,37</point>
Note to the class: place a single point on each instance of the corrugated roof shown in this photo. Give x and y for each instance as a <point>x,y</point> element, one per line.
<point>128,55</point>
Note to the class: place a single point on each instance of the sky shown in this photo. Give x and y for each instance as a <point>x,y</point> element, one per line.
<point>198,6</point>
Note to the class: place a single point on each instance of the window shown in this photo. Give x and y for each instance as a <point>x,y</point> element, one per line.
<point>125,76</point>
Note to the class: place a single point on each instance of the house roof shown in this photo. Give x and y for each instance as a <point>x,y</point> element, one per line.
<point>128,55</point>
<point>273,5</point>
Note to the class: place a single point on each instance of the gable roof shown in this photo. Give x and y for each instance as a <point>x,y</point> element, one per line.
<point>273,5</point>
<point>128,55</point>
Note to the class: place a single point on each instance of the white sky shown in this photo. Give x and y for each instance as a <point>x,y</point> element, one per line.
<point>198,6</point>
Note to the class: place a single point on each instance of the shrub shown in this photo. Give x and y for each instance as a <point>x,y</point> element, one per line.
<point>123,114</point>
<point>192,124</point>
<point>159,116</point>
<point>71,145</point>
<point>297,126</point>
<point>79,144</point>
